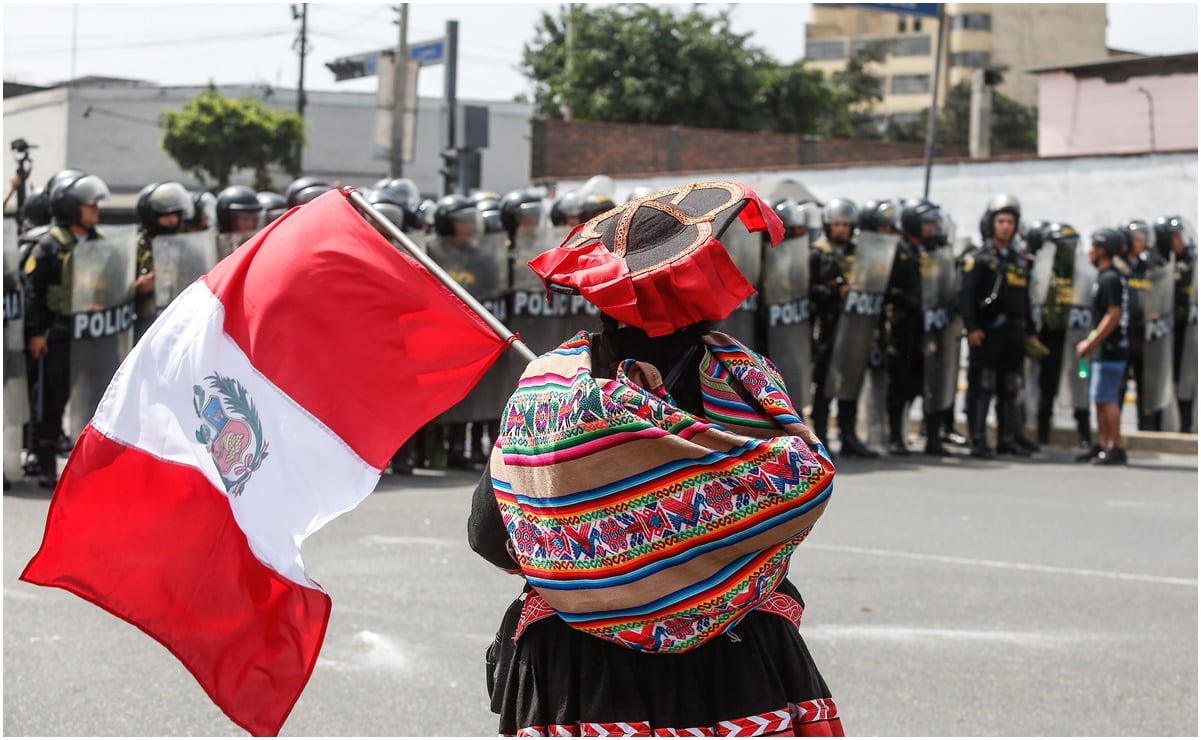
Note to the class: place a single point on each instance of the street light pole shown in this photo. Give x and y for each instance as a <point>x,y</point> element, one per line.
<point>1150,115</point>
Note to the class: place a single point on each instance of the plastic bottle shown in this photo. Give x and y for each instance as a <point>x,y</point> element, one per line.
<point>1082,372</point>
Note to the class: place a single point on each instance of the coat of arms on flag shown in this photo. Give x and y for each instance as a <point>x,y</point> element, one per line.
<point>236,443</point>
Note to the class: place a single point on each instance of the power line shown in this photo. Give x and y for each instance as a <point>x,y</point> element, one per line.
<point>163,42</point>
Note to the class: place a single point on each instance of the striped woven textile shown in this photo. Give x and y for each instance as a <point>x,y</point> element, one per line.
<point>640,523</point>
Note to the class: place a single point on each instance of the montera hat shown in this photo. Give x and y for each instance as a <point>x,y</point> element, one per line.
<point>657,262</point>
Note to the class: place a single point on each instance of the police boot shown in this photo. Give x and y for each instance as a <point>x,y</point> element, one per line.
<point>1083,431</point>
<point>47,469</point>
<point>1006,423</point>
<point>977,415</point>
<point>1185,408</point>
<point>1045,412</point>
<point>947,432</point>
<point>896,433</point>
<point>820,416</point>
<point>933,438</point>
<point>852,446</point>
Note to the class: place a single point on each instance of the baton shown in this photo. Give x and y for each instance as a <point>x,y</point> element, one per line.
<point>381,221</point>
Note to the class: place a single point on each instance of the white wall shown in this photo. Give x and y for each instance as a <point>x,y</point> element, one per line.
<point>1088,192</point>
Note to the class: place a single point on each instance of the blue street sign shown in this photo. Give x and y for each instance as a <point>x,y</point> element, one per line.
<point>428,52</point>
<point>927,10</point>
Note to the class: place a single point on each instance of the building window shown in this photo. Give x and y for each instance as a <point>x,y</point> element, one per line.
<point>971,22</point>
<point>825,49</point>
<point>858,45</point>
<point>909,84</point>
<point>911,46</point>
<point>970,59</point>
<point>917,24</point>
<point>900,24</point>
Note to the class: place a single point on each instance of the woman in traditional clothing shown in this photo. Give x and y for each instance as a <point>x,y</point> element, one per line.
<point>650,483</point>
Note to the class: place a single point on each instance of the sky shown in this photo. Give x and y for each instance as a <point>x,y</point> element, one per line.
<point>245,43</point>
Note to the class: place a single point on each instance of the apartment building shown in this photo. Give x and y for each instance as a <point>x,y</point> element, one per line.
<point>1013,37</point>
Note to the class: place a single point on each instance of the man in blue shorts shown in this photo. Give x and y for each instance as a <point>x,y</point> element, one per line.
<point>1109,346</point>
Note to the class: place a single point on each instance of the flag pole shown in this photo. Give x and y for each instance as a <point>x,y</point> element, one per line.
<point>381,221</point>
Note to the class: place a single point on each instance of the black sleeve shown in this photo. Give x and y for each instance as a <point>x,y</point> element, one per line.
<point>967,297</point>
<point>1109,294</point>
<point>486,532</point>
<point>39,274</point>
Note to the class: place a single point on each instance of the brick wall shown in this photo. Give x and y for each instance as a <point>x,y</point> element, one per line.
<point>572,149</point>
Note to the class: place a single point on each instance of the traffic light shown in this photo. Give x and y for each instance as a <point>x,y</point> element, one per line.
<point>449,170</point>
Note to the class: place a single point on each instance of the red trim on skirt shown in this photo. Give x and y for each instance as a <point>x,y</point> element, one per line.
<point>816,718</point>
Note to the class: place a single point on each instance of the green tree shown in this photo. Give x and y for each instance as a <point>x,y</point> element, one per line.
<point>856,92</point>
<point>652,64</point>
<point>213,135</point>
<point>1014,126</point>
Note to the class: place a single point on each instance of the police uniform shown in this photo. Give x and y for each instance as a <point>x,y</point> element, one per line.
<point>1138,282</point>
<point>1052,332</point>
<point>145,305</point>
<point>48,313</point>
<point>903,339</point>
<point>996,300</point>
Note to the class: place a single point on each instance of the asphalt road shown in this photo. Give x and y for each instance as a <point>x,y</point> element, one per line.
<point>943,598</point>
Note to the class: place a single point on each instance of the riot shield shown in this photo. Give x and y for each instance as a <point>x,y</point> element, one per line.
<point>16,394</point>
<point>1073,387</point>
<point>229,241</point>
<point>179,260</point>
<point>543,321</point>
<point>785,297</point>
<point>1156,300</point>
<point>746,251</point>
<point>1040,281</point>
<point>1186,383</point>
<point>481,266</point>
<point>102,275</point>
<point>855,336</point>
<point>941,329</point>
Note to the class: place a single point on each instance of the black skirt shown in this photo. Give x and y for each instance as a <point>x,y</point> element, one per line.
<point>757,679</point>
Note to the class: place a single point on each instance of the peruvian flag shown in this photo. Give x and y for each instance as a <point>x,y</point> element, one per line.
<point>263,403</point>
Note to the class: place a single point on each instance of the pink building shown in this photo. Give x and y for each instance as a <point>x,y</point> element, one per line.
<point>1118,106</point>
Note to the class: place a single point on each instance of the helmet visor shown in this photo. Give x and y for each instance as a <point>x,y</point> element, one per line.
<point>172,198</point>
<point>89,189</point>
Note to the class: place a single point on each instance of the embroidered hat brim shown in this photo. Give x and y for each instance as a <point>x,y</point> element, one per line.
<point>657,262</point>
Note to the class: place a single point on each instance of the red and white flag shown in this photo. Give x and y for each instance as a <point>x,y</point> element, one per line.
<point>263,403</point>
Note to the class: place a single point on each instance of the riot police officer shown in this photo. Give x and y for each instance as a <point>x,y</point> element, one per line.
<point>304,189</point>
<point>995,305</point>
<point>880,215</point>
<point>238,215</point>
<point>838,225</point>
<point>75,205</point>
<point>1062,239</point>
<point>161,208</point>
<point>455,222</point>
<point>920,229</point>
<point>1138,262</point>
<point>1174,236</point>
<point>594,205</point>
<point>204,206</point>
<point>565,210</point>
<point>519,207</point>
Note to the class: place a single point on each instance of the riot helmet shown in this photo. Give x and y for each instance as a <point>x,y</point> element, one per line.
<point>62,176</point>
<point>520,207</point>
<point>306,195</point>
<point>879,214</point>
<point>916,212</point>
<point>238,209</point>
<point>396,207</point>
<point>1111,241</point>
<point>1170,231</point>
<point>488,205</point>
<point>594,205</point>
<point>163,199</point>
<point>1139,236</point>
<point>1034,235</point>
<point>292,193</point>
<point>451,210</point>
<point>69,195</point>
<point>794,218</point>
<point>840,210</point>
<point>1062,235</point>
<point>1002,203</point>
<point>565,210</point>
<point>401,190</point>
<point>204,204</point>
<point>425,212</point>
<point>274,205</point>
<point>37,208</point>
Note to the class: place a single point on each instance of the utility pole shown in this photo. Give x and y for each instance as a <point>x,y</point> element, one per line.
<point>302,47</point>
<point>399,92</point>
<point>931,128</point>
<point>451,182</point>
